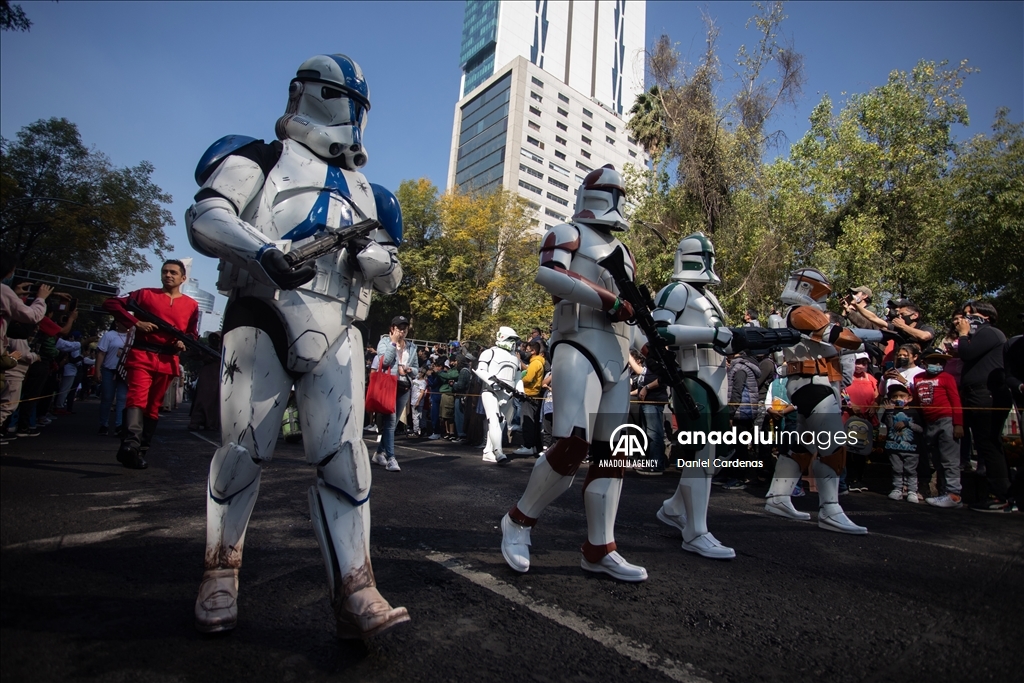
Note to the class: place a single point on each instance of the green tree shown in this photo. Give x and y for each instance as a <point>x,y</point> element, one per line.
<point>12,17</point>
<point>468,250</point>
<point>67,210</point>
<point>981,252</point>
<point>710,174</point>
<point>876,177</point>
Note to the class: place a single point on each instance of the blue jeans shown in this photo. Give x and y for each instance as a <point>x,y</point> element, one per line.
<point>113,388</point>
<point>654,426</point>
<point>387,436</point>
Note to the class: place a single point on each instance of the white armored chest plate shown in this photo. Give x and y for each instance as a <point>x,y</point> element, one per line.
<point>694,308</point>
<point>497,362</point>
<point>302,198</point>
<point>588,326</point>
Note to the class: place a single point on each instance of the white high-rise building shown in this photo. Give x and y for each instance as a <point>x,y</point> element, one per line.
<point>545,87</point>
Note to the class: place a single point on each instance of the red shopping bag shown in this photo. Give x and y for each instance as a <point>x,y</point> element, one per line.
<point>381,394</point>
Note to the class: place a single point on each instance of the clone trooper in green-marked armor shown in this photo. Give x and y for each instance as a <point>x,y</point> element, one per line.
<point>692,321</point>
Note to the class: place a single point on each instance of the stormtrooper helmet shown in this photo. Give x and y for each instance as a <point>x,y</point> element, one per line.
<point>806,287</point>
<point>506,339</point>
<point>601,200</point>
<point>328,101</point>
<point>695,260</point>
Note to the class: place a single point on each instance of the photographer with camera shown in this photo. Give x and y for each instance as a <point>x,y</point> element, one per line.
<point>904,325</point>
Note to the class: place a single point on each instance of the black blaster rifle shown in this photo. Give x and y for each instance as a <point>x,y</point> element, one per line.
<point>759,341</point>
<point>512,391</point>
<point>165,327</point>
<point>328,243</point>
<point>662,360</point>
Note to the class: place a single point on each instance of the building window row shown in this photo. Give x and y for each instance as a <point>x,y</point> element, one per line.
<point>535,111</point>
<point>553,197</point>
<point>534,141</point>
<point>532,171</point>
<point>585,153</point>
<point>537,82</point>
<point>532,188</point>
<point>587,126</point>
<point>583,167</point>
<point>555,167</point>
<point>563,98</point>
<point>585,139</point>
<point>530,155</point>
<point>560,185</point>
<point>554,214</point>
<point>532,124</point>
<point>561,155</point>
<point>561,126</point>
<point>535,96</point>
<point>560,140</point>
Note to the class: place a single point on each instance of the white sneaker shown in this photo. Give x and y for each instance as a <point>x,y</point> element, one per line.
<point>216,605</point>
<point>678,521</point>
<point>392,465</point>
<point>896,494</point>
<point>489,457</point>
<point>379,459</point>
<point>433,437</point>
<point>832,518</point>
<point>371,428</point>
<point>947,500</point>
<point>523,450</point>
<point>783,507</point>
<point>515,544</point>
<point>914,497</point>
<point>707,545</point>
<point>615,566</point>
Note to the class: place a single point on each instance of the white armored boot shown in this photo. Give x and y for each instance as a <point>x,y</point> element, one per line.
<point>233,486</point>
<point>830,513</point>
<point>779,500</point>
<point>544,487</point>
<point>601,499</point>
<point>340,512</point>
<point>694,492</point>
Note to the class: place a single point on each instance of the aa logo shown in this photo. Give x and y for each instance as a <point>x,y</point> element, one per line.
<point>628,441</point>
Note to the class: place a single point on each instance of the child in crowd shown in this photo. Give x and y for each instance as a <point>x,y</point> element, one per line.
<point>905,424</point>
<point>935,391</point>
<point>419,391</point>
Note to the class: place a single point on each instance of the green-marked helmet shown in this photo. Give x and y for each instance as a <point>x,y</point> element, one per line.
<point>695,260</point>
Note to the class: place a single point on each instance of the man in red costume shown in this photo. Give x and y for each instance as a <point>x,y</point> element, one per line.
<point>153,358</point>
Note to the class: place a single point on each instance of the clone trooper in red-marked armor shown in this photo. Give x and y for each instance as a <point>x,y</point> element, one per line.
<point>814,385</point>
<point>589,345</point>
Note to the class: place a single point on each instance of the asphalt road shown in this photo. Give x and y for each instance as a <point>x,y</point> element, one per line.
<point>100,567</point>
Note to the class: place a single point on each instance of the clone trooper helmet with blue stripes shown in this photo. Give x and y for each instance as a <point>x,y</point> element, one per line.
<point>695,260</point>
<point>601,200</point>
<point>328,101</point>
<point>506,339</point>
<point>807,287</point>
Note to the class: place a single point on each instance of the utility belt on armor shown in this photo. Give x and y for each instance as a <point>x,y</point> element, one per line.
<point>816,367</point>
<point>155,348</point>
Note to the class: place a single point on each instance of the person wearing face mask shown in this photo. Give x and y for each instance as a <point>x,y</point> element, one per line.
<point>905,426</point>
<point>904,369</point>
<point>935,391</point>
<point>905,327</point>
<point>985,397</point>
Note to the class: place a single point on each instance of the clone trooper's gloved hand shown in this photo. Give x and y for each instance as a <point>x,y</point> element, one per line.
<point>620,311</point>
<point>277,268</point>
<point>724,340</point>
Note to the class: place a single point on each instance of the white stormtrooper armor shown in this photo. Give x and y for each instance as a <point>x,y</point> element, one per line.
<point>692,321</point>
<point>498,362</point>
<point>289,325</point>
<point>814,386</point>
<point>589,343</point>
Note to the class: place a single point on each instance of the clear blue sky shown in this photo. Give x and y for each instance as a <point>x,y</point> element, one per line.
<point>162,81</point>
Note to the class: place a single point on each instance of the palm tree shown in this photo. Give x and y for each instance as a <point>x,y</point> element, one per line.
<point>647,122</point>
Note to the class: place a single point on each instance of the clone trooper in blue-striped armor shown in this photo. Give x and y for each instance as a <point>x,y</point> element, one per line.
<point>286,326</point>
